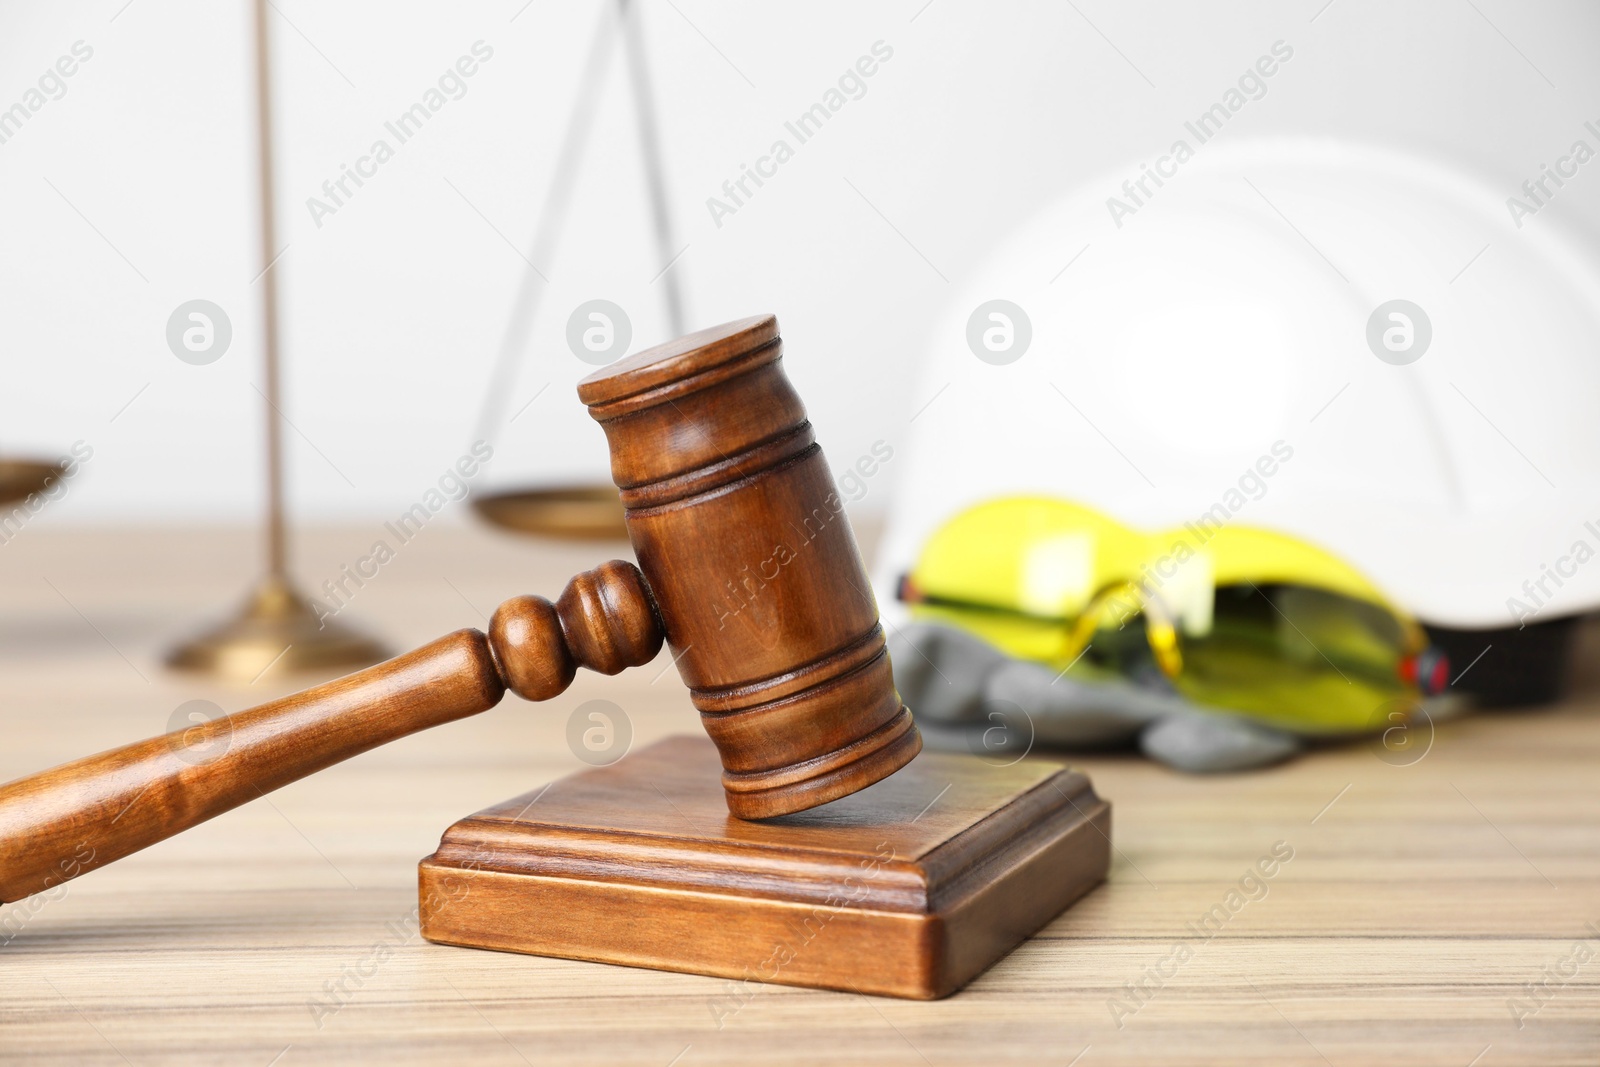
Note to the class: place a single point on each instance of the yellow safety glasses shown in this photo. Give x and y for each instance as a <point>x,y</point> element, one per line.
<point>1232,617</point>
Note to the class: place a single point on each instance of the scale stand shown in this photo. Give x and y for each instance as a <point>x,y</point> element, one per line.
<point>278,629</point>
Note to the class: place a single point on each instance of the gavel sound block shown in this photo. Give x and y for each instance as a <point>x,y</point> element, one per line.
<point>908,888</point>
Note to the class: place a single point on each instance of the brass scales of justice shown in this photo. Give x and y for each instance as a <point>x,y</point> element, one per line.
<point>278,629</point>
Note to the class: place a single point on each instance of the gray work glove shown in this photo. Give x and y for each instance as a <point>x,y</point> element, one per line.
<point>967,694</point>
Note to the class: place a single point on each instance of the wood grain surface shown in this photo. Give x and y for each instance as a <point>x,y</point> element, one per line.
<point>1419,901</point>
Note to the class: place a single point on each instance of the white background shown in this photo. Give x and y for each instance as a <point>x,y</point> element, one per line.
<point>394,307</point>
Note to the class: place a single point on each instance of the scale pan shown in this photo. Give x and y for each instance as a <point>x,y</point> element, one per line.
<point>20,477</point>
<point>572,512</point>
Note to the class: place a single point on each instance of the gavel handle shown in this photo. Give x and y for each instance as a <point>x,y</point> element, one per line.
<point>62,823</point>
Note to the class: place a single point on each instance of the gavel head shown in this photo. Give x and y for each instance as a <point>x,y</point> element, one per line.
<point>742,537</point>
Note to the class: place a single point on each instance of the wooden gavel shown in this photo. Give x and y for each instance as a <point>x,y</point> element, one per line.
<point>749,572</point>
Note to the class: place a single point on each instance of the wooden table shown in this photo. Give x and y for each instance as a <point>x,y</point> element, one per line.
<point>1420,903</point>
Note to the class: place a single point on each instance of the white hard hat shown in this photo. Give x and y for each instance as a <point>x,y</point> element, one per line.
<point>1422,352</point>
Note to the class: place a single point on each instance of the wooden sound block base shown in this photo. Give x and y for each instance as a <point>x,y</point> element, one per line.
<point>909,888</point>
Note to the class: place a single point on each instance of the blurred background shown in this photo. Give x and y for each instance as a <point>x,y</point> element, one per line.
<point>952,131</point>
<point>134,192</point>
